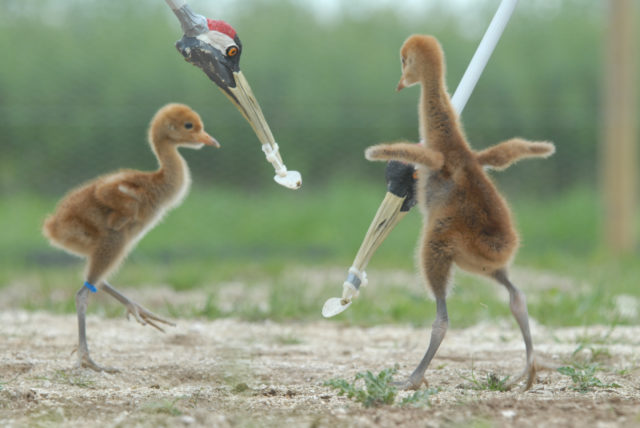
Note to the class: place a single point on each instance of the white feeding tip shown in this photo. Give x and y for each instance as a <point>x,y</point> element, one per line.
<point>334,306</point>
<point>291,180</point>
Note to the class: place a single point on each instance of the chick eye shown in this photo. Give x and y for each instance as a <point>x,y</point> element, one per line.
<point>232,51</point>
<point>403,60</point>
<point>188,125</point>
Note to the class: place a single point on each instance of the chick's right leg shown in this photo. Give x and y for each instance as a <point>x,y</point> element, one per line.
<point>140,313</point>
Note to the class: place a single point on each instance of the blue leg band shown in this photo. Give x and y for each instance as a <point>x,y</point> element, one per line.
<point>90,287</point>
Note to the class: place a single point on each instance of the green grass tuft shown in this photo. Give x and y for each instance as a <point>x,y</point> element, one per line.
<point>377,390</point>
<point>584,378</point>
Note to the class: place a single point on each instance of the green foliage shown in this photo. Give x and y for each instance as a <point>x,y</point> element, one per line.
<point>378,389</point>
<point>492,382</point>
<point>419,398</point>
<point>584,379</point>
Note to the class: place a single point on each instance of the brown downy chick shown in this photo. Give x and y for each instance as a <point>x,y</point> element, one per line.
<point>103,219</point>
<point>466,220</point>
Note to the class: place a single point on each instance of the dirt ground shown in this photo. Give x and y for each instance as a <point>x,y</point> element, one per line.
<point>235,373</point>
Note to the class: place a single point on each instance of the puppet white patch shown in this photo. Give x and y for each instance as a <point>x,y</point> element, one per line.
<point>218,40</point>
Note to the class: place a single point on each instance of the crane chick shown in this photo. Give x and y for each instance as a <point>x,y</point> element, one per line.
<point>466,220</point>
<point>103,219</point>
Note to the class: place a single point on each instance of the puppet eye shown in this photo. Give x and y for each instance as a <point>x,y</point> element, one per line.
<point>232,51</point>
<point>188,125</point>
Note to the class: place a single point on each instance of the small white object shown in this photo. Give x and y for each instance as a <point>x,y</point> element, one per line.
<point>334,306</point>
<point>291,180</point>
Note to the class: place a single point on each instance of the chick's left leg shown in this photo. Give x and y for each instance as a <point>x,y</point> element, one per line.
<point>437,262</point>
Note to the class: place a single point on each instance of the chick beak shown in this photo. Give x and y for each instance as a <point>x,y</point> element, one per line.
<point>401,85</point>
<point>208,140</point>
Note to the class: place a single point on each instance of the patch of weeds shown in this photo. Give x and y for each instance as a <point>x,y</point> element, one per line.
<point>378,390</point>
<point>80,381</point>
<point>584,378</point>
<point>419,398</point>
<point>491,383</point>
<point>626,371</point>
<point>598,339</point>
<point>596,353</point>
<point>587,343</point>
<point>210,309</point>
<point>164,406</point>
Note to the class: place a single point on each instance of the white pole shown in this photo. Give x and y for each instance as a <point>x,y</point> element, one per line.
<point>482,55</point>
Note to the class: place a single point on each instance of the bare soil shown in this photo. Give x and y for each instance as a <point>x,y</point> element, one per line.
<point>235,373</point>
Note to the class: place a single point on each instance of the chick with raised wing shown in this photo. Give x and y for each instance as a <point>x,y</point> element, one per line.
<point>466,221</point>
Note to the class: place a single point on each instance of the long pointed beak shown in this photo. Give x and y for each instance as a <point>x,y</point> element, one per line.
<point>242,97</point>
<point>401,85</point>
<point>388,215</point>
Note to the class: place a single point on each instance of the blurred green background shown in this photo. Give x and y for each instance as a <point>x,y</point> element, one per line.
<point>80,80</point>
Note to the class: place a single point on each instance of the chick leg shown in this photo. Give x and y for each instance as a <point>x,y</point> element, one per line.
<point>518,305</point>
<point>84,360</point>
<point>437,267</point>
<point>438,331</point>
<point>140,313</point>
<point>106,255</point>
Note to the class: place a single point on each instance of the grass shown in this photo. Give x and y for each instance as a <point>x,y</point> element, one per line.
<point>584,379</point>
<point>492,382</point>
<point>279,255</point>
<point>378,390</point>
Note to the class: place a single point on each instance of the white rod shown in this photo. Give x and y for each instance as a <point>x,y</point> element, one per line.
<point>482,55</point>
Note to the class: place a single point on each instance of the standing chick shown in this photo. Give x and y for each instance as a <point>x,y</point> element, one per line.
<point>466,221</point>
<point>103,219</point>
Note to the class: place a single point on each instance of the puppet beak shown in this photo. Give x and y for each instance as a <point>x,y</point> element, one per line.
<point>242,97</point>
<point>388,215</point>
<point>227,75</point>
